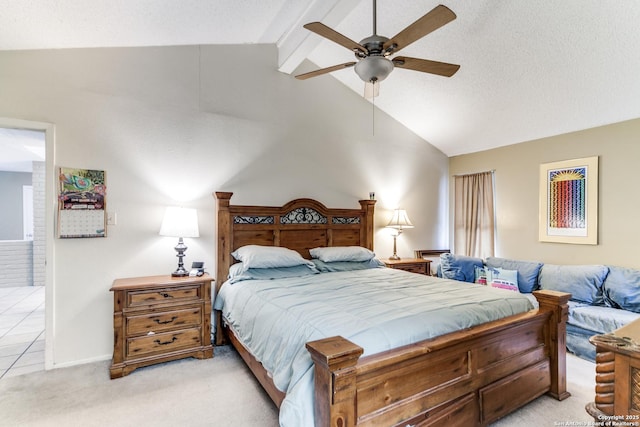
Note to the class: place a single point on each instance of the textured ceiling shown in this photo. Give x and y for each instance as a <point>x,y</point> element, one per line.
<point>529,69</point>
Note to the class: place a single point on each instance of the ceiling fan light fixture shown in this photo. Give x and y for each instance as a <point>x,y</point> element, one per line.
<point>374,68</point>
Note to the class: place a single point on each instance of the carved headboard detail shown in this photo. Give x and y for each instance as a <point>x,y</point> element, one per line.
<point>301,224</point>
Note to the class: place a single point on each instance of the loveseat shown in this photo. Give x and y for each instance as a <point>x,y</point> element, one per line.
<point>603,298</point>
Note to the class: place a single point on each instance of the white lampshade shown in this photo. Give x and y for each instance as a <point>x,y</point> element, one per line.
<point>400,220</point>
<point>180,222</point>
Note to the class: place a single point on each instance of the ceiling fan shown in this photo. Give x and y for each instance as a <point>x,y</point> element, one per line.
<point>373,52</point>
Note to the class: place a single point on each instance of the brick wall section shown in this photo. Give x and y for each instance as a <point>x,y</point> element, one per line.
<point>15,263</point>
<point>38,178</point>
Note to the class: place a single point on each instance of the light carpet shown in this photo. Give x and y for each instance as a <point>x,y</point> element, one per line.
<point>212,392</point>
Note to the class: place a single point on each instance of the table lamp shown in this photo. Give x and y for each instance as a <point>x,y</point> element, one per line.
<point>398,222</point>
<point>180,222</point>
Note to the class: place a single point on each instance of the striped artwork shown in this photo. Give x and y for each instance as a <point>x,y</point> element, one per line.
<point>569,201</point>
<point>567,198</point>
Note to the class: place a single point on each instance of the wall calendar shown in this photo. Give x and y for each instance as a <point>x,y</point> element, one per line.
<point>82,203</point>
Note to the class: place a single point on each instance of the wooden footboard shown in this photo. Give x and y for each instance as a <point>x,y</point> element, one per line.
<point>470,377</point>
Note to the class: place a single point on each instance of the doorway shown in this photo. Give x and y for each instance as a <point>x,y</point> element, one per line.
<point>26,306</point>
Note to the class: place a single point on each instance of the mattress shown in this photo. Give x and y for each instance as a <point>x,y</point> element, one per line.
<point>377,309</point>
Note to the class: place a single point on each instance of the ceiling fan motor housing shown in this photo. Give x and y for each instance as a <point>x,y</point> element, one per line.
<point>374,66</point>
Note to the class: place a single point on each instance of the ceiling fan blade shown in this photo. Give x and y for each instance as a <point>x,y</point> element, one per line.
<point>331,34</point>
<point>324,71</point>
<point>438,17</point>
<point>426,66</point>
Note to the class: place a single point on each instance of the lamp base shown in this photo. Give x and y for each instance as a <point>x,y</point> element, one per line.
<point>180,273</point>
<point>395,256</point>
<point>180,249</point>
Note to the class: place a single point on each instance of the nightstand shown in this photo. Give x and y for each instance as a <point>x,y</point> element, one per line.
<point>160,318</point>
<point>413,265</point>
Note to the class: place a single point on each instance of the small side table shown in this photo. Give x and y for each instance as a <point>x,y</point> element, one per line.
<point>160,318</point>
<point>617,374</point>
<point>413,265</point>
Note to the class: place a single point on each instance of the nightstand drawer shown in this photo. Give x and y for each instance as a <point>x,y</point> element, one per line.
<point>412,265</point>
<point>163,321</point>
<point>172,295</point>
<point>162,343</point>
<point>415,268</point>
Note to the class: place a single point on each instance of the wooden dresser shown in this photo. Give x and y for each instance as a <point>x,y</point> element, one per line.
<point>413,265</point>
<point>158,319</point>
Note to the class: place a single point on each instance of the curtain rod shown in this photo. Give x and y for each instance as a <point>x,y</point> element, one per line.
<point>475,173</point>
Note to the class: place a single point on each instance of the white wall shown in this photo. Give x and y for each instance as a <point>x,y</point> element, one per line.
<point>171,125</point>
<point>11,215</point>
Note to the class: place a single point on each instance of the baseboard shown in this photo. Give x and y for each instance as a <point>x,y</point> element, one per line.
<point>81,362</point>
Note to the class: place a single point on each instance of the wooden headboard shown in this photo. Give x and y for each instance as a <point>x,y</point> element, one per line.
<point>301,224</point>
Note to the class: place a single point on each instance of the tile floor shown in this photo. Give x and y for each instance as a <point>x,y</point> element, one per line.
<point>21,330</point>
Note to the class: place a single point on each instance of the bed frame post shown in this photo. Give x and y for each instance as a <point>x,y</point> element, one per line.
<point>335,359</point>
<point>555,336</point>
<point>366,232</point>
<point>224,235</point>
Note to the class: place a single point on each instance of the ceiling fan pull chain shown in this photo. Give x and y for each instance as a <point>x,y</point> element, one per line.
<point>373,111</point>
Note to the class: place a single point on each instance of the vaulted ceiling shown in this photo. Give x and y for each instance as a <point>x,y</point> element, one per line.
<point>529,69</point>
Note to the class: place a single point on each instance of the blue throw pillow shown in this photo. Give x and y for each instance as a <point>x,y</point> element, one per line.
<point>621,288</point>
<point>528,271</point>
<point>583,282</point>
<point>328,267</point>
<point>459,267</point>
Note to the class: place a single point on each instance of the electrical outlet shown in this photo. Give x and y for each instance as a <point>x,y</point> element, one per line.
<point>112,218</point>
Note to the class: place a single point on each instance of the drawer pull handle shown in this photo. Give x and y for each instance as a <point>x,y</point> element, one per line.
<point>160,322</point>
<point>166,294</point>
<point>166,342</point>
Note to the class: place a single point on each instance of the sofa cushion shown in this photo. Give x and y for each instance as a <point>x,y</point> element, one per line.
<point>621,288</point>
<point>459,267</point>
<point>528,271</point>
<point>583,282</point>
<point>599,319</point>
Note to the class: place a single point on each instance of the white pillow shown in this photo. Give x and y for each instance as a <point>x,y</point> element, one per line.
<point>255,256</point>
<point>342,253</point>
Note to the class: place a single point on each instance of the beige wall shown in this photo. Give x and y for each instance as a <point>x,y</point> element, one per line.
<point>516,179</point>
<point>171,125</point>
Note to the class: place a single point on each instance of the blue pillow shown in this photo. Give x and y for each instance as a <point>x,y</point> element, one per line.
<point>238,272</point>
<point>528,271</point>
<point>327,267</point>
<point>621,288</point>
<point>342,253</point>
<point>257,256</point>
<point>583,282</point>
<point>459,267</point>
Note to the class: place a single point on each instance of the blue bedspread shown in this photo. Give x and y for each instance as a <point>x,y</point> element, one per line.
<point>377,309</point>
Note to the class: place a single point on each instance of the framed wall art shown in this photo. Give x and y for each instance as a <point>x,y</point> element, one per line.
<point>81,203</point>
<point>569,201</point>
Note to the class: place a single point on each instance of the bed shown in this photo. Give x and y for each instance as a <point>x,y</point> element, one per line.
<point>458,378</point>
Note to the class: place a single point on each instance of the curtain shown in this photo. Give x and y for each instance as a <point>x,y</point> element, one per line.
<point>474,215</point>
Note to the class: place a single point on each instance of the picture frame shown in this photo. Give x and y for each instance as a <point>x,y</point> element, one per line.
<point>568,208</point>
